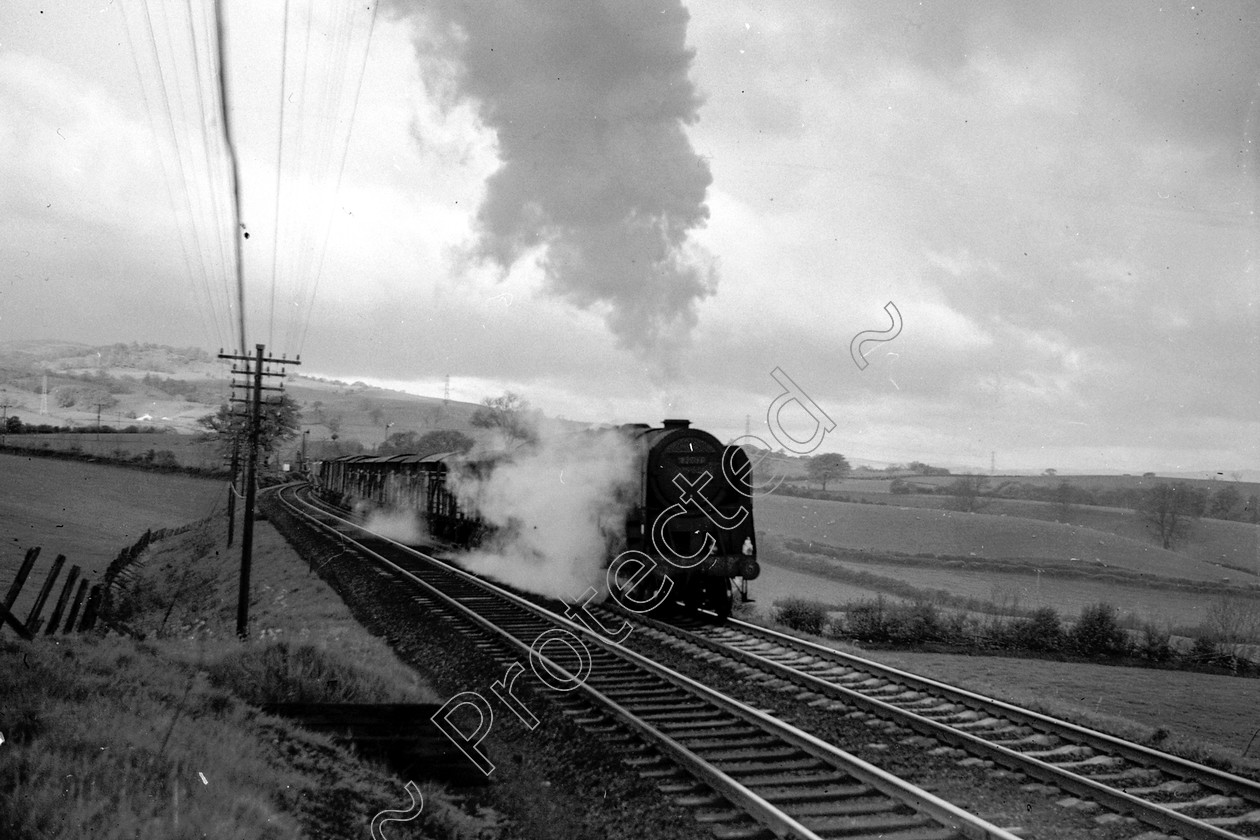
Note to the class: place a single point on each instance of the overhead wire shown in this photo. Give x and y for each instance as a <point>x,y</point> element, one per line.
<point>345,148</point>
<point>200,160</point>
<point>206,305</point>
<point>209,108</point>
<point>196,141</point>
<point>275,237</point>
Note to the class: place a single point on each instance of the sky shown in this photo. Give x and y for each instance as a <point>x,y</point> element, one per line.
<point>626,211</point>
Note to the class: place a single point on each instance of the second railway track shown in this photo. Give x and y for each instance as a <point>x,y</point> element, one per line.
<point>1164,792</point>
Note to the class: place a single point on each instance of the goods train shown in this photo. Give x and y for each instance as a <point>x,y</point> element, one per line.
<point>688,507</point>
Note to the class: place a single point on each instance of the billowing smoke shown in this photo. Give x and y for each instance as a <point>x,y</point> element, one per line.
<point>557,510</point>
<point>589,101</point>
<point>404,526</point>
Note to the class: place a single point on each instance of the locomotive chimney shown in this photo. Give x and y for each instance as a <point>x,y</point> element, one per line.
<point>676,424</point>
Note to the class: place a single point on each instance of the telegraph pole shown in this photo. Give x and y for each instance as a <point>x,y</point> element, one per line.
<point>254,379</point>
<point>4,424</point>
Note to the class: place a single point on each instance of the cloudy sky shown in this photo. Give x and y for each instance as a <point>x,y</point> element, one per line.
<point>629,210</point>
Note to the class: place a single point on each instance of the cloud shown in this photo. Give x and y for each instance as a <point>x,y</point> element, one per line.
<point>598,180</point>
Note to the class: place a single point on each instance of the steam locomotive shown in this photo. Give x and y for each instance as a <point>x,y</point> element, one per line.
<point>688,507</point>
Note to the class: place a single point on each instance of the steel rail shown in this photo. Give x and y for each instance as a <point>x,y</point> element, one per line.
<point>780,823</point>
<point>1152,813</point>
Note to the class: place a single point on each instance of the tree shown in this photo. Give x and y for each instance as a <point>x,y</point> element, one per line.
<point>280,422</point>
<point>1051,471</point>
<point>444,440</point>
<point>830,466</point>
<point>1168,510</point>
<point>967,491</point>
<point>510,416</point>
<point>1224,502</point>
<point>399,443</point>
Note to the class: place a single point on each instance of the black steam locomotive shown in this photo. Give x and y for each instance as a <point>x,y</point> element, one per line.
<point>688,508</point>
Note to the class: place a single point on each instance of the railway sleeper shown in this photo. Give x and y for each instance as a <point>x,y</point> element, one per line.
<point>746,830</point>
<point>873,825</point>
<point>756,741</point>
<point>759,753</point>
<point>825,793</point>
<point>773,780</point>
<point>857,806</point>
<point>1174,787</point>
<point>1063,754</point>
<point>1098,762</point>
<point>1215,802</point>
<point>754,768</point>
<point>717,815</point>
<point>1251,818</point>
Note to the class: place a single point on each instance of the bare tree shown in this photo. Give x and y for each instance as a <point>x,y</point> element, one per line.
<point>510,416</point>
<point>1169,510</point>
<point>967,491</point>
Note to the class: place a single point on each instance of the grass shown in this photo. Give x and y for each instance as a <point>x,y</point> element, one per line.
<point>1022,542</point>
<point>109,737</point>
<point>982,592</point>
<point>188,450</point>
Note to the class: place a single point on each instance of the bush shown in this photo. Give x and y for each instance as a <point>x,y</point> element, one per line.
<point>1098,633</point>
<point>914,623</point>
<point>867,621</point>
<point>1153,644</point>
<point>278,673</point>
<point>801,615</point>
<point>1041,631</point>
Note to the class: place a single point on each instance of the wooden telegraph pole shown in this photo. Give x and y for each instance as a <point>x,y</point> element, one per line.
<point>253,372</point>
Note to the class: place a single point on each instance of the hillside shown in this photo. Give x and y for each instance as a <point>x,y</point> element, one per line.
<point>172,388</point>
<point>1022,541</point>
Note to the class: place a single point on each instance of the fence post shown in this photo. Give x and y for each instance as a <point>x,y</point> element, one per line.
<point>66,589</point>
<point>74,608</point>
<point>11,598</point>
<point>91,608</point>
<point>32,620</point>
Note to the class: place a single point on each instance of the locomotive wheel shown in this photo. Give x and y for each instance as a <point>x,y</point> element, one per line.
<point>718,596</point>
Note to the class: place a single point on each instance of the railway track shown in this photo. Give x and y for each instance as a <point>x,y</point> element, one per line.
<point>744,772</point>
<point>1165,792</point>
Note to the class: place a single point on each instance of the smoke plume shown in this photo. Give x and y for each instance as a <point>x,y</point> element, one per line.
<point>589,101</point>
<point>557,508</point>
<point>404,526</point>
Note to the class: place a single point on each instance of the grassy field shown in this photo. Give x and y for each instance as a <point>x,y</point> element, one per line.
<point>1022,541</point>
<point>88,512</point>
<point>190,450</point>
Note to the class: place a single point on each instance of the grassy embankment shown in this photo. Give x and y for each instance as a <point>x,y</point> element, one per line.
<point>110,737</point>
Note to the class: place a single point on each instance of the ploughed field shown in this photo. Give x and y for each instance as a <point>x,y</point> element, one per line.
<point>88,512</point>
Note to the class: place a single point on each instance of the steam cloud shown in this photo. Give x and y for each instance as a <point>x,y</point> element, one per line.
<point>404,526</point>
<point>589,101</point>
<point>558,508</point>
